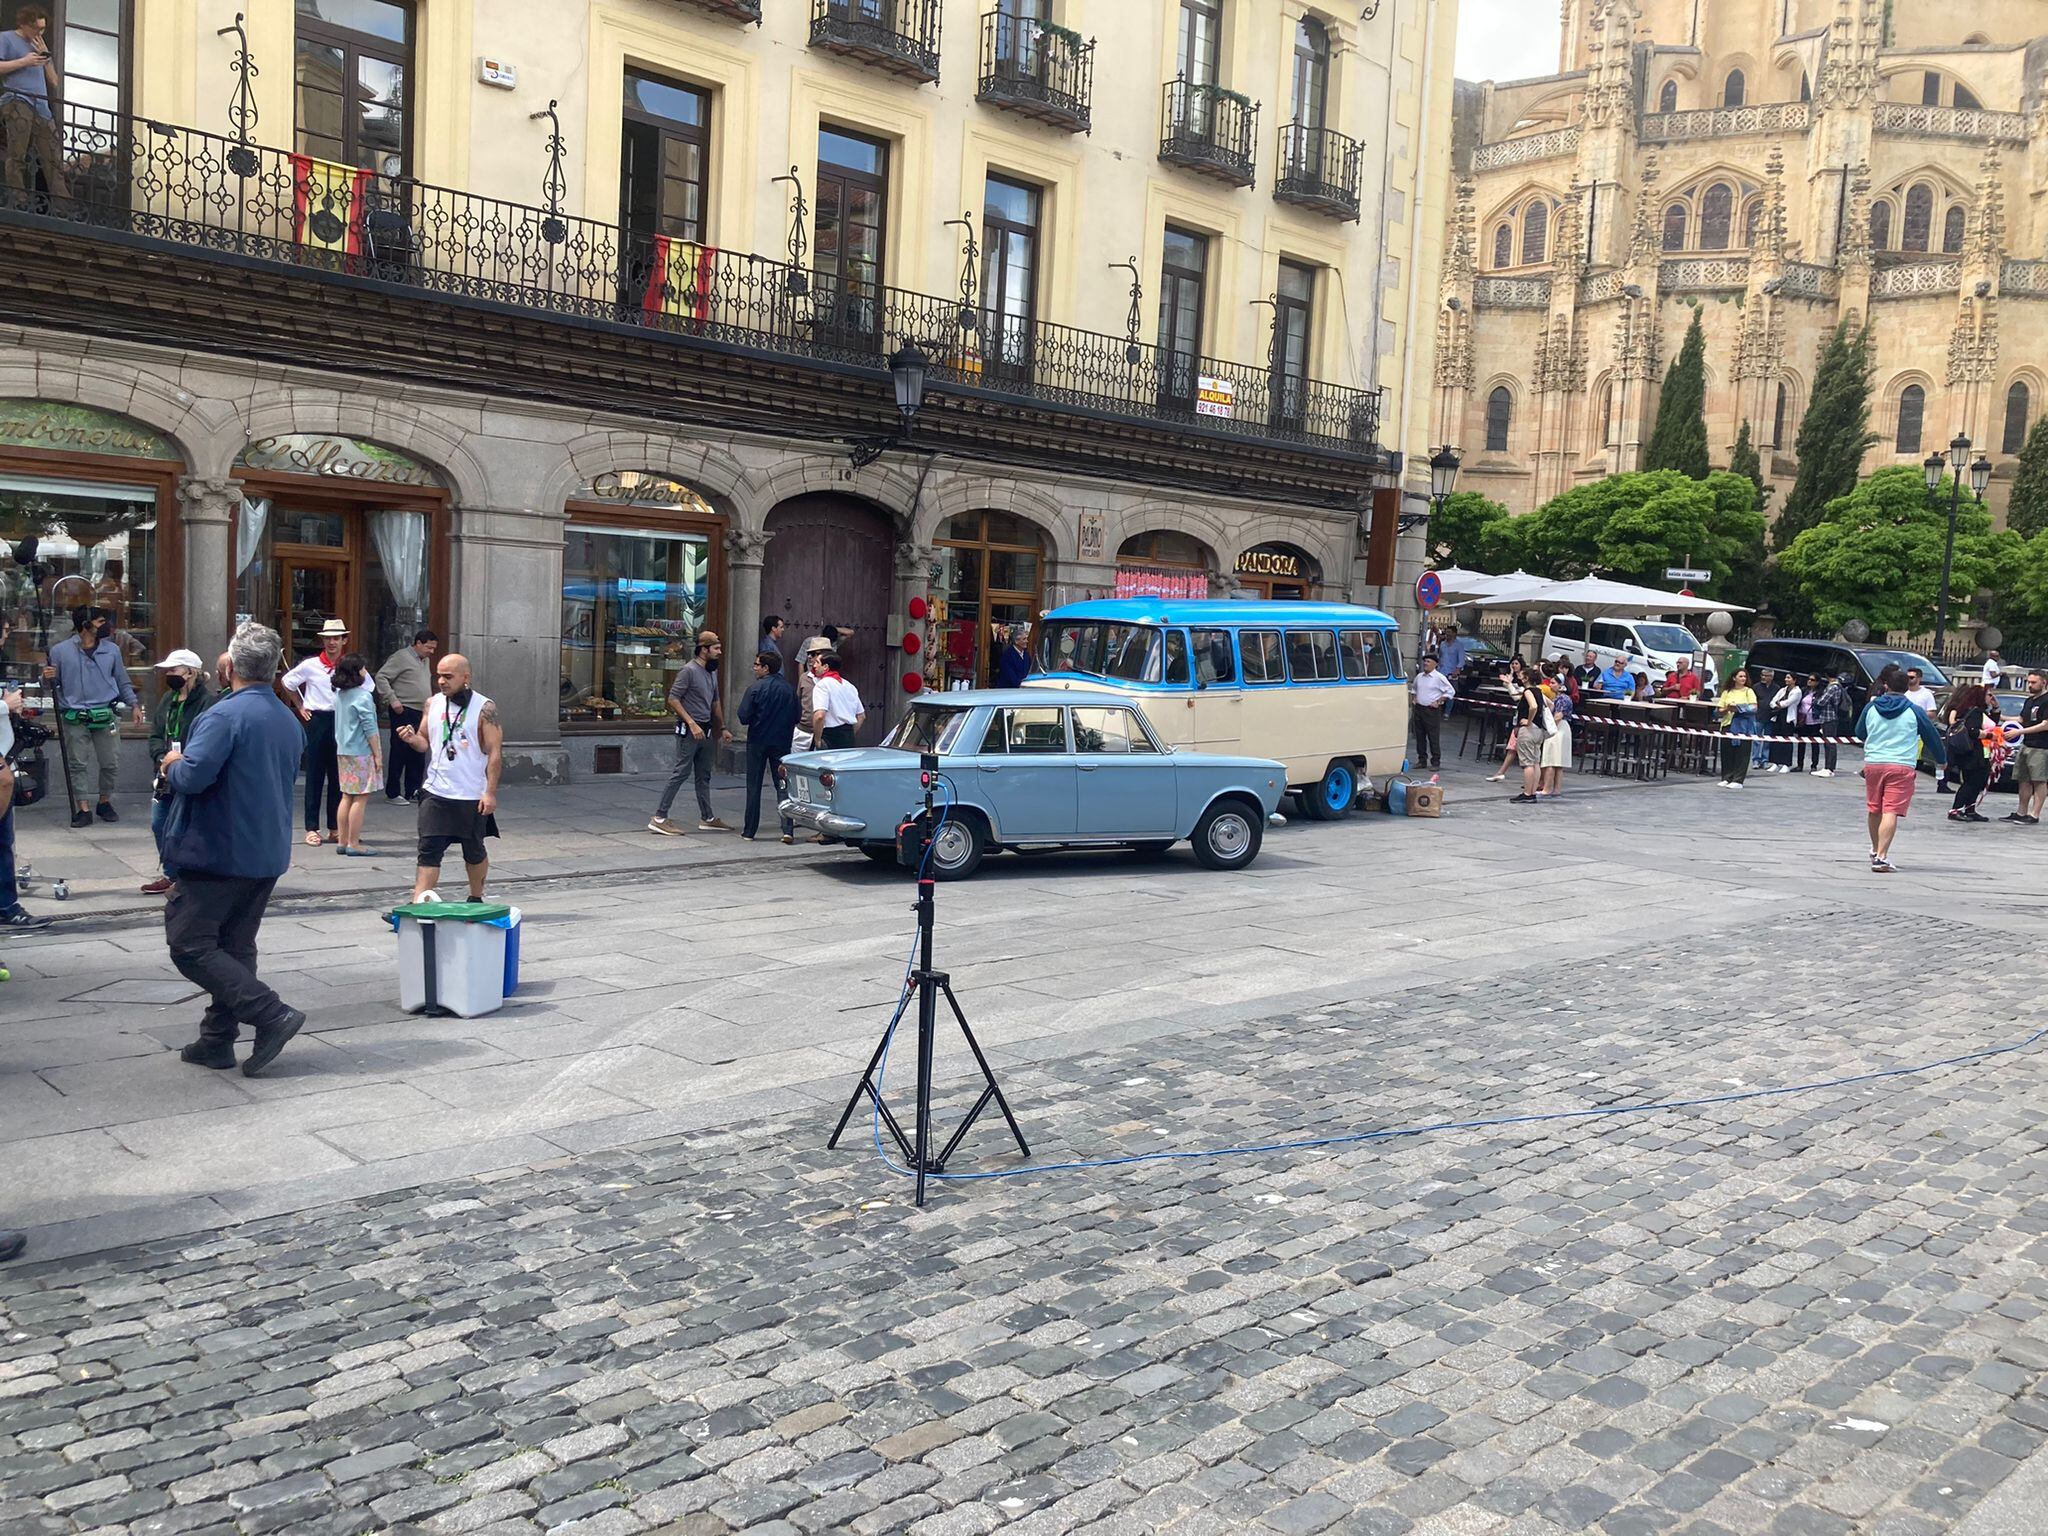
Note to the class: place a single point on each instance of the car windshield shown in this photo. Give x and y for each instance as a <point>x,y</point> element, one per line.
<point>927,728</point>
<point>1876,661</point>
<point>1126,652</point>
<point>1667,637</point>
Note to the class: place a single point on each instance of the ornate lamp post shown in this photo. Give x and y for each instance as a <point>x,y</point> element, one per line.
<point>1979,470</point>
<point>907,368</point>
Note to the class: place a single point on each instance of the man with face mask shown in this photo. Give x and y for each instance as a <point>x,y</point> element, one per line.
<point>93,689</point>
<point>185,694</point>
<point>694,701</point>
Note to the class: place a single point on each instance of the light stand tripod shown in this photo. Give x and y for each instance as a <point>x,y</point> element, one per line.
<point>913,847</point>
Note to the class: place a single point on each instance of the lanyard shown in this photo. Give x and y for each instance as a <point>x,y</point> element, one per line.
<point>449,726</point>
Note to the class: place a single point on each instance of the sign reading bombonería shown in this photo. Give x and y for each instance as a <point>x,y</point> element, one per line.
<point>338,458</point>
<point>53,425</point>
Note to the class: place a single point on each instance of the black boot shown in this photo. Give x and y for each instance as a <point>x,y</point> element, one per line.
<point>210,1051</point>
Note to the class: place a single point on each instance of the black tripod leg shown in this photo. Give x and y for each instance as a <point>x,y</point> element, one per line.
<point>866,1085</point>
<point>927,1027</point>
<point>981,1061</point>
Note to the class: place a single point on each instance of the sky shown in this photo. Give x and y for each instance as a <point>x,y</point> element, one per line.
<point>1506,39</point>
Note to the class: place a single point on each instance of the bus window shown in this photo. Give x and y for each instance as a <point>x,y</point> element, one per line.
<point>1357,646</point>
<point>1379,660</point>
<point>1213,663</point>
<point>1263,662</point>
<point>1130,653</point>
<point>1177,657</point>
<point>1312,655</point>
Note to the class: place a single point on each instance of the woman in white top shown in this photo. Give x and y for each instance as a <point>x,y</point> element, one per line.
<point>1784,722</point>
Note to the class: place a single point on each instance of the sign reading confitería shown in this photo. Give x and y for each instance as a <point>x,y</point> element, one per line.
<point>633,488</point>
<point>54,425</point>
<point>338,458</point>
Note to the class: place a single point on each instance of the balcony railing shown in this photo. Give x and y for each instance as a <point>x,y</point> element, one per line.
<point>1511,292</point>
<point>901,36</point>
<point>1726,122</point>
<point>1916,279</point>
<point>1504,153</point>
<point>1973,123</point>
<point>1210,130</point>
<point>2021,279</point>
<point>1696,274</point>
<point>1320,169</point>
<point>738,10</point>
<point>211,196</point>
<point>1037,70</point>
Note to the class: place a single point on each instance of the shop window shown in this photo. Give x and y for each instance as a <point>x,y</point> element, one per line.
<point>1163,563</point>
<point>352,63</point>
<point>1500,411</point>
<point>77,543</point>
<point>1912,408</point>
<point>633,600</point>
<point>2019,401</point>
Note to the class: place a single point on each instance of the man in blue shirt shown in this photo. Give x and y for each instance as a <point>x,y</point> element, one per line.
<point>229,837</point>
<point>1617,682</point>
<point>27,77</point>
<point>1451,654</point>
<point>768,711</point>
<point>92,683</point>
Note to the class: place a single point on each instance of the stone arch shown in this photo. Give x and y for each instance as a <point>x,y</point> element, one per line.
<point>1174,517</point>
<point>1601,418</point>
<point>393,423</point>
<point>704,467</point>
<point>1894,394</point>
<point>887,485</point>
<point>206,432</point>
<point>1316,540</point>
<point>1484,398</point>
<point>985,493</point>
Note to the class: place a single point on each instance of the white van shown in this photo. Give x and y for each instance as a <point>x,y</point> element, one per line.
<point>1655,646</point>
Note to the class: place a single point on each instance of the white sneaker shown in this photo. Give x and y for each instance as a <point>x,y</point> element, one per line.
<point>1823,773</point>
<point>1733,785</point>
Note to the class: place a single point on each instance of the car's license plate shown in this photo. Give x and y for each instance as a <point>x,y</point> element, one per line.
<point>800,789</point>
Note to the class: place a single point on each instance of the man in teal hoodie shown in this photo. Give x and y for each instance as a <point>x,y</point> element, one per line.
<point>1893,729</point>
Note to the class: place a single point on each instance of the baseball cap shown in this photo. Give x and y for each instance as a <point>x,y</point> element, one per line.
<point>181,659</point>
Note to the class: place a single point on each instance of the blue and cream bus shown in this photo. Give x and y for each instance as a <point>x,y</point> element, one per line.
<point>1317,686</point>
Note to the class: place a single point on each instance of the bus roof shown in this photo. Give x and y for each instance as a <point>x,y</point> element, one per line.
<point>1165,610</point>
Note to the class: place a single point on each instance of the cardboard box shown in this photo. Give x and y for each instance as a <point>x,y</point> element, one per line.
<point>1425,800</point>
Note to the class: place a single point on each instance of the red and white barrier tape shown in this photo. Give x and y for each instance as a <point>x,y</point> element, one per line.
<point>1686,730</point>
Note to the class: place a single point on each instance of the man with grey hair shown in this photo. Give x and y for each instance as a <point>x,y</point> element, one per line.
<point>229,836</point>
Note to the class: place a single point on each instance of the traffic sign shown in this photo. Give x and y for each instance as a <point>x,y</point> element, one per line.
<point>1686,573</point>
<point>1429,590</point>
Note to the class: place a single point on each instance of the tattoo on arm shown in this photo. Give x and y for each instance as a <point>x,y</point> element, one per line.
<point>490,713</point>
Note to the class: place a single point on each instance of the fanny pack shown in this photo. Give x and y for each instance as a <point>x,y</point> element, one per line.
<point>99,718</point>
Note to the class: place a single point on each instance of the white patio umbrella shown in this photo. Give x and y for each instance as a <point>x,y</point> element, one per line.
<point>1461,583</point>
<point>1594,597</point>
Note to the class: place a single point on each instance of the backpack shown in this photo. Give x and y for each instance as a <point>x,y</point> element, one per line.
<point>1961,741</point>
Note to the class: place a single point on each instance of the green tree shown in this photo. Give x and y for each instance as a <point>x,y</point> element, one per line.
<point>2027,513</point>
<point>1833,436</point>
<point>1745,461</point>
<point>1876,554</point>
<point>1466,531</point>
<point>1679,440</point>
<point>1633,526</point>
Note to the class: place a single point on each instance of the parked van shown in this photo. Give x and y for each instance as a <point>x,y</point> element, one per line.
<point>1655,646</point>
<point>1317,686</point>
<point>1857,665</point>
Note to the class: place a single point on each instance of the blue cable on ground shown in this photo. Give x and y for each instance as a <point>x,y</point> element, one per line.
<point>1486,1122</point>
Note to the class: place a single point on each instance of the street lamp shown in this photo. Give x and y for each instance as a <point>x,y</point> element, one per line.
<point>1443,475</point>
<point>907,369</point>
<point>1979,470</point>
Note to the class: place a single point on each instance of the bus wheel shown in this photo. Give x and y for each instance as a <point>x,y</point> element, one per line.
<point>1335,795</point>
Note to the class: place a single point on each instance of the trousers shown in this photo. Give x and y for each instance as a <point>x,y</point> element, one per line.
<point>210,925</point>
<point>1735,760</point>
<point>10,895</point>
<point>1427,727</point>
<point>693,761</point>
<point>26,129</point>
<point>94,760</point>
<point>405,771</point>
<point>323,773</point>
<point>760,757</point>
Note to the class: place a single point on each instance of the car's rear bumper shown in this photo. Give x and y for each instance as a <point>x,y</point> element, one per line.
<point>817,817</point>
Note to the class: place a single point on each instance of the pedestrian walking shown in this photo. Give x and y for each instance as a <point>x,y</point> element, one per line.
<point>768,711</point>
<point>1557,746</point>
<point>229,837</point>
<point>1784,722</point>
<point>404,684</point>
<point>180,702</point>
<point>693,700</point>
<point>93,692</point>
<point>1894,731</point>
<point>358,758</point>
<point>1432,694</point>
<point>1918,693</point>
<point>1736,710</point>
<point>1830,706</point>
<point>1969,759</point>
<point>14,918</point>
<point>309,688</point>
<point>464,745</point>
<point>28,82</point>
<point>1532,729</point>
<point>2031,771</point>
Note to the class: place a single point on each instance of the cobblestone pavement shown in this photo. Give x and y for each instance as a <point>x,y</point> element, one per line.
<point>1813,1315</point>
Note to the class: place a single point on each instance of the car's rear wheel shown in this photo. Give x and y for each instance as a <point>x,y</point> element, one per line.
<point>958,849</point>
<point>1334,795</point>
<point>1228,835</point>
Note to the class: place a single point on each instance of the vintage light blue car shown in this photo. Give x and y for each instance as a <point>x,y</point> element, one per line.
<point>1025,769</point>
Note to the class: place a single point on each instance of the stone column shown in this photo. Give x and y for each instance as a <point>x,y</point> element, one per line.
<point>745,552</point>
<point>506,591</point>
<point>206,514</point>
<point>913,579</point>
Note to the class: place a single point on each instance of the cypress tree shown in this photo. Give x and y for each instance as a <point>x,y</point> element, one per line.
<point>2027,513</point>
<point>1744,460</point>
<point>1833,437</point>
<point>1679,440</point>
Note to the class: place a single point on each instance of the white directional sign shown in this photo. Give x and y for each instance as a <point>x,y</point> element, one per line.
<point>1686,573</point>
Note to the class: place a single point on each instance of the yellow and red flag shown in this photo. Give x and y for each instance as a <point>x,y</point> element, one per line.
<point>680,281</point>
<point>327,204</point>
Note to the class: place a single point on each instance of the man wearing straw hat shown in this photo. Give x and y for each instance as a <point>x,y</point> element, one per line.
<point>309,688</point>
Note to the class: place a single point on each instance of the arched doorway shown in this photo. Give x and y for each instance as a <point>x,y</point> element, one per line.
<point>1277,571</point>
<point>992,576</point>
<point>830,562</point>
<point>1163,563</point>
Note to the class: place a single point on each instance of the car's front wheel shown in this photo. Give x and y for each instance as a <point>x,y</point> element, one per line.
<point>958,849</point>
<point>1228,835</point>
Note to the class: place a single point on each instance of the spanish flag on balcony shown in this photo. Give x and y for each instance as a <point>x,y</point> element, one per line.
<point>327,204</point>
<point>680,280</point>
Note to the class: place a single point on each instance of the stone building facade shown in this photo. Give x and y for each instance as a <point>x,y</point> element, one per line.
<point>1774,166</point>
<point>571,351</point>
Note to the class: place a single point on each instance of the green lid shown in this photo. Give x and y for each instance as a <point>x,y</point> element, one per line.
<point>454,911</point>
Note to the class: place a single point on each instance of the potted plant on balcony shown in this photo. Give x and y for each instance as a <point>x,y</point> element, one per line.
<point>1058,34</point>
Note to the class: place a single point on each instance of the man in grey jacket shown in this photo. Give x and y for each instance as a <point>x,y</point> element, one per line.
<point>404,684</point>
<point>693,700</point>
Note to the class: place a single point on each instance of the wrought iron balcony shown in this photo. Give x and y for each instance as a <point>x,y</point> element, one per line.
<point>1038,70</point>
<point>1210,130</point>
<point>901,36</point>
<point>156,190</point>
<point>738,10</point>
<point>1319,169</point>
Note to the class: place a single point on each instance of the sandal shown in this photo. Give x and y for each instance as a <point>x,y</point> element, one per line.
<point>313,839</point>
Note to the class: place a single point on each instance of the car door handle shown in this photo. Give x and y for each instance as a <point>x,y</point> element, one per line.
<point>1087,767</point>
<point>990,767</point>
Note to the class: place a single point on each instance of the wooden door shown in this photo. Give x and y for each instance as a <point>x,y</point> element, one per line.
<point>830,562</point>
<point>311,589</point>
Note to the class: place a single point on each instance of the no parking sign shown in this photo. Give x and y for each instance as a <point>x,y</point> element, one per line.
<point>1429,590</point>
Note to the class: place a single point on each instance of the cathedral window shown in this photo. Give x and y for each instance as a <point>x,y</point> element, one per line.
<point>1778,420</point>
<point>1919,220</point>
<point>1966,99</point>
<point>1881,226</point>
<point>1953,225</point>
<point>1751,217</point>
<point>1735,91</point>
<point>1667,99</point>
<point>1717,209</point>
<point>1535,232</point>
<point>1674,227</point>
<point>1912,407</point>
<point>2018,400</point>
<point>1504,246</point>
<point>1500,414</point>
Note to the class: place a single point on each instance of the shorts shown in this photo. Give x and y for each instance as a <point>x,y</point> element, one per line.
<point>1529,748</point>
<point>1888,787</point>
<point>358,775</point>
<point>2031,765</point>
<point>445,823</point>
